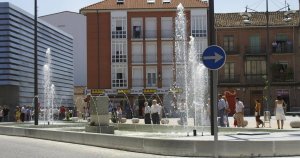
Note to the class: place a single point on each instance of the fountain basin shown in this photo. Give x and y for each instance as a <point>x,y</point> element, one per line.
<point>100,129</point>
<point>135,120</point>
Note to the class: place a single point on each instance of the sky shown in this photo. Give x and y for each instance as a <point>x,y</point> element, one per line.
<point>46,7</point>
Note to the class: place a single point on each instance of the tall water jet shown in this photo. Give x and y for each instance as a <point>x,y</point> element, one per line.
<point>191,75</point>
<point>49,90</point>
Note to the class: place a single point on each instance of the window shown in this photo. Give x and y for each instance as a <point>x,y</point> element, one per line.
<point>151,76</point>
<point>151,79</point>
<point>137,52</point>
<point>119,27</point>
<point>254,45</point>
<point>198,26</point>
<point>255,69</point>
<point>150,1</point>
<point>137,28</point>
<point>167,30</point>
<point>229,71</point>
<point>228,43</point>
<point>282,44</point>
<point>166,1</point>
<point>151,52</point>
<point>119,52</point>
<point>151,27</point>
<point>167,52</point>
<point>119,76</point>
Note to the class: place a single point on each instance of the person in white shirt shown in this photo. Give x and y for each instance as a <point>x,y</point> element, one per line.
<point>155,112</point>
<point>239,109</point>
<point>147,112</point>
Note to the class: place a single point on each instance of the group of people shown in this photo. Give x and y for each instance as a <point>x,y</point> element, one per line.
<point>153,113</point>
<point>224,110</point>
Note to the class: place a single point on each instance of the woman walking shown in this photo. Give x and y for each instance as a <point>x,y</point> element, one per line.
<point>257,114</point>
<point>279,111</point>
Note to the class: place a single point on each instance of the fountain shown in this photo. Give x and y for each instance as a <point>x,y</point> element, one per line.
<point>49,90</point>
<point>191,74</point>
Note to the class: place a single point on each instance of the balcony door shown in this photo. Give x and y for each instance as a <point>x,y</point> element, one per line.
<point>254,43</point>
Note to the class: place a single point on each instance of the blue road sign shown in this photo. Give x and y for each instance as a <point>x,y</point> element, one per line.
<point>214,57</point>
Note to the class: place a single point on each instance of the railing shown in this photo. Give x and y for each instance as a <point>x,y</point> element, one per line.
<point>119,83</point>
<point>229,79</point>
<point>137,82</point>
<point>283,77</point>
<point>253,50</point>
<point>282,49</point>
<point>255,79</point>
<point>118,34</point>
<point>232,50</point>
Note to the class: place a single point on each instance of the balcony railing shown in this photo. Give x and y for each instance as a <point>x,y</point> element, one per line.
<point>255,79</point>
<point>232,50</point>
<point>255,50</point>
<point>137,82</point>
<point>282,49</point>
<point>229,79</point>
<point>283,77</point>
<point>118,34</point>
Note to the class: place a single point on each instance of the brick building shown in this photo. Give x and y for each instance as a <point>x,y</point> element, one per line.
<point>130,46</point>
<point>251,62</point>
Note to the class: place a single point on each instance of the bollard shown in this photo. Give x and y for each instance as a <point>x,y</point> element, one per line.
<point>194,132</point>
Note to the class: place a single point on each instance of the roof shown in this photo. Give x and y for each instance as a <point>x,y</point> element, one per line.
<point>142,4</point>
<point>257,19</point>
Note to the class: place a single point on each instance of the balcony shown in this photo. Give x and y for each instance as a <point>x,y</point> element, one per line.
<point>232,50</point>
<point>282,47</point>
<point>137,82</point>
<point>283,77</point>
<point>255,79</point>
<point>229,78</point>
<point>118,34</point>
<point>255,50</point>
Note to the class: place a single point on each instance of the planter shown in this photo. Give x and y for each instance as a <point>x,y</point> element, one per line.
<point>135,120</point>
<point>123,120</point>
<point>164,121</point>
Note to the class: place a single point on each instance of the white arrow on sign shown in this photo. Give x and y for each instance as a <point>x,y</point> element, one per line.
<point>216,57</point>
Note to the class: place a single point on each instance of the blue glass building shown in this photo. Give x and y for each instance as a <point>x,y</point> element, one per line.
<point>17,58</point>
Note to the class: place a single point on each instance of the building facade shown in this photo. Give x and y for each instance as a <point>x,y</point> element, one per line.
<point>74,24</point>
<point>258,67</point>
<point>131,47</point>
<point>17,59</point>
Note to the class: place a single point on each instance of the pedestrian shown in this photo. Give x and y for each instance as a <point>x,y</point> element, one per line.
<point>221,108</point>
<point>17,114</point>
<point>5,113</point>
<point>119,114</point>
<point>279,111</point>
<point>155,112</point>
<point>23,112</point>
<point>257,114</point>
<point>182,112</point>
<point>239,109</point>
<point>147,113</point>
<point>1,113</point>
<point>227,111</point>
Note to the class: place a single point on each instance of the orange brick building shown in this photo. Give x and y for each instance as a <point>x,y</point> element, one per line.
<point>130,47</point>
<point>251,61</point>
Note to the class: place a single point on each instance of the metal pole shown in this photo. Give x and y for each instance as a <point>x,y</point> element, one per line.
<point>268,58</point>
<point>213,79</point>
<point>36,99</point>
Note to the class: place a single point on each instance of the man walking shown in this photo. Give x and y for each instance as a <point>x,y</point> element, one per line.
<point>239,109</point>
<point>221,108</point>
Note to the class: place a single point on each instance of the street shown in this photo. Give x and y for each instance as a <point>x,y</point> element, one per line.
<point>22,147</point>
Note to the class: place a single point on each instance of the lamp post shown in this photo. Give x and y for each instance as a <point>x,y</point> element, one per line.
<point>36,99</point>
